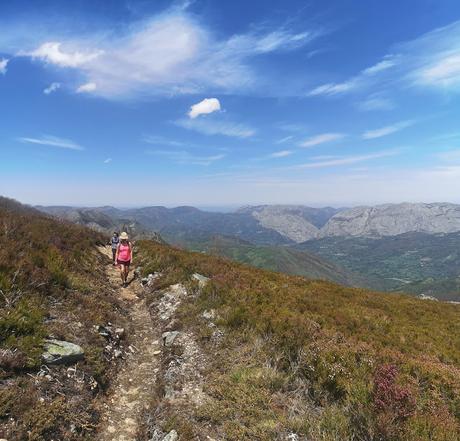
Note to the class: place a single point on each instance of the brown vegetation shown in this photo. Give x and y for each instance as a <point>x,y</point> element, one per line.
<point>52,283</point>
<point>315,359</point>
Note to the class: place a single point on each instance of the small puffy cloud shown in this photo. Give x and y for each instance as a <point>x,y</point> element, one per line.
<point>51,52</point>
<point>108,160</point>
<point>86,88</point>
<point>3,64</point>
<point>321,139</point>
<point>208,105</point>
<point>51,88</point>
<point>53,141</point>
<point>281,154</point>
<point>387,130</point>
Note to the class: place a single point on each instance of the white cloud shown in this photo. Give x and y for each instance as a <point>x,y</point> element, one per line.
<point>53,141</point>
<point>50,52</point>
<point>385,64</point>
<point>321,139</point>
<point>86,88</point>
<point>213,127</point>
<point>51,88</point>
<point>3,63</point>
<point>160,140</point>
<point>281,154</point>
<point>376,102</point>
<point>171,53</point>
<point>333,88</point>
<point>285,139</point>
<point>108,160</point>
<point>208,105</point>
<point>184,157</point>
<point>387,130</point>
<point>347,160</point>
<point>360,80</point>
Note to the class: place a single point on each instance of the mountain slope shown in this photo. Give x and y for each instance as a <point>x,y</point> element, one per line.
<point>296,222</point>
<point>52,284</point>
<point>394,219</point>
<point>419,263</point>
<point>266,356</point>
<point>275,258</point>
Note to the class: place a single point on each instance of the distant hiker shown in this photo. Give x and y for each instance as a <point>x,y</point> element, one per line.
<point>124,257</point>
<point>114,241</point>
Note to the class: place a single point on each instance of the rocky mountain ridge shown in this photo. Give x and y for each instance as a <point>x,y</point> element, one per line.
<point>274,224</point>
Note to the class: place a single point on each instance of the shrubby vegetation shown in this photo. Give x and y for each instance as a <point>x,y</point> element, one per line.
<point>316,359</point>
<point>52,283</point>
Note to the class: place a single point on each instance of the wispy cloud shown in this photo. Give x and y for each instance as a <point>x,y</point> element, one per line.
<point>184,157</point>
<point>3,64</point>
<point>285,139</point>
<point>281,154</point>
<point>387,130</point>
<point>170,53</point>
<point>51,88</point>
<point>347,160</point>
<point>107,161</point>
<point>86,88</point>
<point>161,140</point>
<point>357,81</point>
<point>376,102</point>
<point>215,127</point>
<point>208,105</point>
<point>321,139</point>
<point>53,141</point>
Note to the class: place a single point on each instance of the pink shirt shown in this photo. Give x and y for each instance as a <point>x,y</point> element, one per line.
<point>124,252</point>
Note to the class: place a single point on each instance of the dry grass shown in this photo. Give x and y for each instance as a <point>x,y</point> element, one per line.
<point>52,283</point>
<point>318,359</point>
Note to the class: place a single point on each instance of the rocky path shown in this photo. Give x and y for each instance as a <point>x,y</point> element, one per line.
<point>132,388</point>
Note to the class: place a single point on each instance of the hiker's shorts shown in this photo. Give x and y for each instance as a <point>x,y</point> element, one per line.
<point>124,262</point>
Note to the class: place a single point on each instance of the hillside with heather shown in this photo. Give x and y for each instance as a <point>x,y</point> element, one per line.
<point>200,347</point>
<point>52,287</point>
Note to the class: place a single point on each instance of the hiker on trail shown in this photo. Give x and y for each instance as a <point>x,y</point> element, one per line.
<point>124,257</point>
<point>114,241</point>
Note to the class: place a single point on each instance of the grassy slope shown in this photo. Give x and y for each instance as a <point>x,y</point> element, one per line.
<point>52,283</point>
<point>315,358</point>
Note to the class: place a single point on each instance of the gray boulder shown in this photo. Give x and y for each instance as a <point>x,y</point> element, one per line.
<point>61,352</point>
<point>169,337</point>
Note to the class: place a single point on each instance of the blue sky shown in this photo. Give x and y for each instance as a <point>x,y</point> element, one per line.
<point>229,103</point>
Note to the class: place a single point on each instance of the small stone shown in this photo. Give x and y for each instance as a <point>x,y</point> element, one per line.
<point>157,353</point>
<point>169,337</point>
<point>120,332</point>
<point>202,280</point>
<point>117,353</point>
<point>209,315</point>
<point>171,436</point>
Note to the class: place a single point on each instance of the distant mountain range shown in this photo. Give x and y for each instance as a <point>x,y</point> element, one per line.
<point>408,247</point>
<point>275,224</point>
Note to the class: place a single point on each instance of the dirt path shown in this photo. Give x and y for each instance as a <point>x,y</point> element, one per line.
<point>133,386</point>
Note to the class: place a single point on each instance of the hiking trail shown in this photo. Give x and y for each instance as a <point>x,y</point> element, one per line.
<point>133,386</point>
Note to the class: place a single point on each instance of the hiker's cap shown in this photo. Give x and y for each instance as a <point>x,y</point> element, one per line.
<point>124,236</point>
